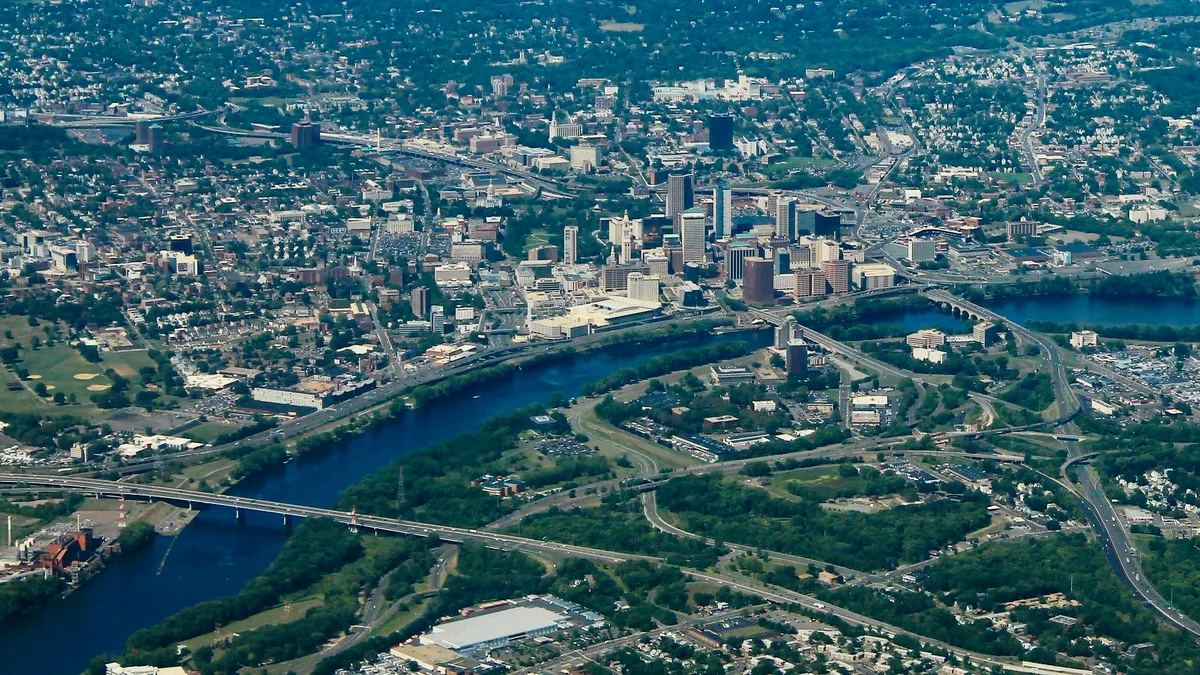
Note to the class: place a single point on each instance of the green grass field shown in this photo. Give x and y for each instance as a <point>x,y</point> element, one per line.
<point>62,369</point>
<point>207,432</point>
<point>823,482</point>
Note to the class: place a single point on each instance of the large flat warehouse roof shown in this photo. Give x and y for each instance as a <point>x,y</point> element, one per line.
<point>492,627</point>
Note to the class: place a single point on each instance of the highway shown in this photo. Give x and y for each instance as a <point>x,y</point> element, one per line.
<point>455,534</point>
<point>1115,542</point>
<point>107,488</point>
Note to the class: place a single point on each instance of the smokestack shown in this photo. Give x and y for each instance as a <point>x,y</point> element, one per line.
<point>10,532</point>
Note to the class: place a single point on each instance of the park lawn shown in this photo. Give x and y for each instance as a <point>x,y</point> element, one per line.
<point>207,432</point>
<point>276,615</point>
<point>822,481</point>
<point>24,401</point>
<point>127,363</point>
<point>538,237</point>
<point>21,331</point>
<point>58,367</point>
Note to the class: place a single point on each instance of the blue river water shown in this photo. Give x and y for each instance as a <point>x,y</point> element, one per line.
<point>216,555</point>
<point>1090,309</point>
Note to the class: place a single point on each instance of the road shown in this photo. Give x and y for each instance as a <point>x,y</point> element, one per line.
<point>384,393</point>
<point>1117,545</point>
<point>354,520</point>
<point>1039,120</point>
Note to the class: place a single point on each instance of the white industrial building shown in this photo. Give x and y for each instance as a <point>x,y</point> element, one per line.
<point>494,629</point>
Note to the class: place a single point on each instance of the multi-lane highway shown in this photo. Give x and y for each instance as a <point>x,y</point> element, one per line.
<point>1114,540</point>
<point>191,498</point>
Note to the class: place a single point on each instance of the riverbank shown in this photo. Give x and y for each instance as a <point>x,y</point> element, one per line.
<point>218,554</point>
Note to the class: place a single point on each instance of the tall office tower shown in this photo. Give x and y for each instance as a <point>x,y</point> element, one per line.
<point>722,210</point>
<point>437,319</point>
<point>785,218</point>
<point>571,244</point>
<point>720,132</point>
<point>691,235</point>
<point>735,260</point>
<point>758,287</point>
<point>796,359</point>
<point>837,273</point>
<point>679,195</point>
<point>622,228</point>
<point>420,302</point>
<point>642,287</point>
<point>783,259</point>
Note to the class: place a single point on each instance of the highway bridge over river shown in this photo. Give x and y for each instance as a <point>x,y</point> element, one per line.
<point>356,521</point>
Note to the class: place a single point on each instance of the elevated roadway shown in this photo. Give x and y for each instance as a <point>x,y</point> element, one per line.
<point>191,498</point>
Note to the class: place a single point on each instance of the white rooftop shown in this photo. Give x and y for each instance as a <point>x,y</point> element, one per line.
<point>492,627</point>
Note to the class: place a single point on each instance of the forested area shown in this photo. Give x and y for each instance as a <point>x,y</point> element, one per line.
<point>919,613</point>
<point>1074,566</point>
<point>728,511</point>
<point>317,548</point>
<point>19,598</point>
<point>618,525</point>
<point>1034,391</point>
<point>436,485</point>
<point>1173,566</point>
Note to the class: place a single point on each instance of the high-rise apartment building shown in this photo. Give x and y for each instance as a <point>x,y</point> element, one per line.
<point>810,283</point>
<point>306,134</point>
<point>420,302</point>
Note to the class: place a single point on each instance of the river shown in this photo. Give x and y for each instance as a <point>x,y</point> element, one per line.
<point>216,555</point>
<point>1093,309</point>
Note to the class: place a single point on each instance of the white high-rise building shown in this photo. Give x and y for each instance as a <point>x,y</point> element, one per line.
<point>643,287</point>
<point>691,235</point>
<point>571,244</point>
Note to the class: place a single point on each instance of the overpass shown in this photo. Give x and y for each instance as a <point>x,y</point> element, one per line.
<point>100,121</point>
<point>354,520</point>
